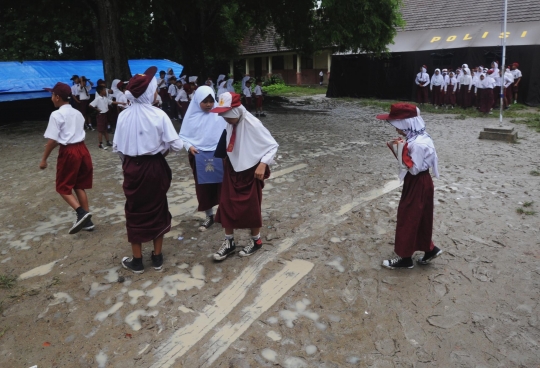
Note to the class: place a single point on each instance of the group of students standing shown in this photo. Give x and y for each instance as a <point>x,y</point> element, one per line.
<point>480,88</point>
<point>233,146</point>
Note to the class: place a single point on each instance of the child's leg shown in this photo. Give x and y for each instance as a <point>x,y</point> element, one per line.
<point>106,136</point>
<point>136,249</point>
<point>255,231</point>
<point>83,199</point>
<point>100,137</point>
<point>229,232</point>
<point>72,201</point>
<point>158,244</point>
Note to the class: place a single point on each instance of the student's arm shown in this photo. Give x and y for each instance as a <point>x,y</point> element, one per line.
<point>417,80</point>
<point>93,105</point>
<point>49,147</point>
<point>518,80</point>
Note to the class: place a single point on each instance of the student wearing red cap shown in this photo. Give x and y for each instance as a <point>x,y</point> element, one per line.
<point>74,168</point>
<point>144,135</point>
<point>517,78</point>
<point>422,85</point>
<point>416,155</point>
<point>250,148</point>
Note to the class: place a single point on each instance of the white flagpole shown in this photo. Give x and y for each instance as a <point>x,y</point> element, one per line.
<point>503,63</point>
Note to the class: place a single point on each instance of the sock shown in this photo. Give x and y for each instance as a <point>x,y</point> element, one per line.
<point>209,212</point>
<point>80,211</point>
<point>256,237</point>
<point>229,237</point>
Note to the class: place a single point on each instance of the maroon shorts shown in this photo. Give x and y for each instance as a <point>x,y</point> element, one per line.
<point>73,168</point>
<point>259,100</point>
<point>102,122</point>
<point>83,106</point>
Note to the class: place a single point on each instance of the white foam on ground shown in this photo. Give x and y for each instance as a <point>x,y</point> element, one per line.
<point>101,316</point>
<point>40,270</point>
<point>275,336</point>
<point>96,288</point>
<point>101,359</point>
<point>132,319</point>
<point>61,298</point>
<point>311,349</point>
<point>336,263</point>
<point>289,316</point>
<point>135,295</point>
<point>269,355</point>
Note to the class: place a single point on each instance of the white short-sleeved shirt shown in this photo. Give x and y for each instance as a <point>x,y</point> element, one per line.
<point>173,90</point>
<point>247,92</point>
<point>516,73</point>
<point>75,90</point>
<point>84,94</point>
<point>258,90</point>
<point>66,126</point>
<point>182,96</point>
<point>101,103</point>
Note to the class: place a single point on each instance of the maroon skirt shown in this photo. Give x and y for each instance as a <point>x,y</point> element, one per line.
<point>450,96</point>
<point>415,215</point>
<point>422,94</point>
<point>101,122</point>
<point>83,106</point>
<point>486,99</point>
<point>146,182</point>
<point>185,105</point>
<point>241,198</point>
<point>436,96</point>
<point>466,96</point>
<point>208,195</point>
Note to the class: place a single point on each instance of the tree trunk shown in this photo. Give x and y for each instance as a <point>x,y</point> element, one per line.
<point>115,59</point>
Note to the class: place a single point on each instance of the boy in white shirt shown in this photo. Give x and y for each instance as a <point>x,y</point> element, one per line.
<point>101,104</point>
<point>75,91</point>
<point>182,100</point>
<point>74,168</point>
<point>259,99</point>
<point>517,78</point>
<point>84,98</point>
<point>247,94</point>
<point>173,90</point>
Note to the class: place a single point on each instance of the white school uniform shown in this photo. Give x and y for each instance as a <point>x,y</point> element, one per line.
<point>66,126</point>
<point>258,90</point>
<point>516,73</point>
<point>247,91</point>
<point>75,89</point>
<point>101,103</point>
<point>181,96</point>
<point>422,77</point>
<point>173,90</point>
<point>84,92</point>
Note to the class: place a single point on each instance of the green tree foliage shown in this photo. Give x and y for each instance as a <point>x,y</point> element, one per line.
<point>198,34</point>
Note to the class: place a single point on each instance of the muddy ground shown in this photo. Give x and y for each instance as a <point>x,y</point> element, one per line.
<point>317,295</point>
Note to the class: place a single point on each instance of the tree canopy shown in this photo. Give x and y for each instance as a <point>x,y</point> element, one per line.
<point>197,34</point>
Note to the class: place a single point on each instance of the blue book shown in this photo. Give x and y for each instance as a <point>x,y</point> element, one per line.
<point>209,168</point>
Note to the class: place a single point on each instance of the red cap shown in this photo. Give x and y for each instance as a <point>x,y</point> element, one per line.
<point>425,67</point>
<point>60,89</point>
<point>490,71</point>
<point>400,111</point>
<point>120,84</point>
<point>138,84</point>
<point>227,101</point>
<point>516,65</point>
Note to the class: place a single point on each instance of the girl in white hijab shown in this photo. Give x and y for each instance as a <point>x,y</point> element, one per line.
<point>143,138</point>
<point>436,85</point>
<point>415,212</point>
<point>201,131</point>
<point>230,87</point>
<point>222,88</point>
<point>250,149</point>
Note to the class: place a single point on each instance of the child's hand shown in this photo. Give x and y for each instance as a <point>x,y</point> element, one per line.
<point>43,164</point>
<point>259,172</point>
<point>193,150</point>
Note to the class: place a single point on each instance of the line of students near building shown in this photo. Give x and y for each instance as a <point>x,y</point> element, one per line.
<point>479,88</point>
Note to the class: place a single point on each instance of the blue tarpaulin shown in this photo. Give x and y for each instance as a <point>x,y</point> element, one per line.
<point>26,80</point>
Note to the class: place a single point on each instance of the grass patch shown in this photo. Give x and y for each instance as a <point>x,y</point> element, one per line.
<point>7,281</point>
<point>535,173</point>
<point>461,117</point>
<point>521,211</point>
<point>284,90</point>
<point>531,120</point>
<point>527,204</point>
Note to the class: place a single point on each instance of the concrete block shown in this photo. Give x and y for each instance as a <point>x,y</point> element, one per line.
<point>499,129</point>
<point>498,136</point>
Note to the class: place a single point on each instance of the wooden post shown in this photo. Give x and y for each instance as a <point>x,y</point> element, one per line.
<point>247,66</point>
<point>269,66</point>
<point>329,66</point>
<point>231,67</point>
<point>298,70</point>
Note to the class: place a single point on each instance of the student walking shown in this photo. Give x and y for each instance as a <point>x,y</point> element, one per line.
<point>74,168</point>
<point>416,155</point>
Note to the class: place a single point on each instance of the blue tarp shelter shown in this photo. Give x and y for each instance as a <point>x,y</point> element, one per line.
<point>26,80</point>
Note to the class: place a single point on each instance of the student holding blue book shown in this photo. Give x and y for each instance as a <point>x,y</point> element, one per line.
<point>200,132</point>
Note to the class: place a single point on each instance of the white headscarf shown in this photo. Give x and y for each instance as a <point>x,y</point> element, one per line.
<point>222,88</point>
<point>244,80</point>
<point>202,129</point>
<point>253,140</point>
<point>220,78</point>
<point>415,128</point>
<point>115,88</point>
<point>437,79</point>
<point>143,129</point>
<point>230,87</point>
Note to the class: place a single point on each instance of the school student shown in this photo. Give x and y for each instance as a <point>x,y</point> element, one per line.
<point>422,84</point>
<point>450,91</point>
<point>507,79</point>
<point>182,100</point>
<point>415,211</point>
<point>484,92</point>
<point>247,94</point>
<point>435,86</point>
<point>465,86</point>
<point>83,90</point>
<point>121,98</point>
<point>321,78</point>
<point>209,82</point>
<point>459,78</point>
<point>250,148</point>
<point>244,80</point>
<point>222,88</point>
<point>75,91</point>
<point>259,99</point>
<point>74,165</point>
<point>172,91</point>
<point>101,105</point>
<point>144,136</point>
<point>200,133</point>
<point>230,81</point>
<point>517,78</point>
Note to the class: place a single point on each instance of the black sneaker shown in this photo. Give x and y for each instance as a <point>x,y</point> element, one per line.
<point>133,264</point>
<point>253,246</point>
<point>227,248</point>
<point>398,262</point>
<point>82,218</point>
<point>109,144</point>
<point>89,226</point>
<point>207,223</point>
<point>429,256</point>
<point>157,261</point>
<point>90,127</point>
<point>102,147</point>
<point>263,114</point>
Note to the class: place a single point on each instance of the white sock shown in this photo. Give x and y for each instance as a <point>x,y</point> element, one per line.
<point>229,237</point>
<point>209,212</point>
<point>256,237</point>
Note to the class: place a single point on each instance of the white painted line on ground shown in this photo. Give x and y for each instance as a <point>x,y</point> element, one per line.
<point>277,174</point>
<point>186,337</point>
<point>269,293</point>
